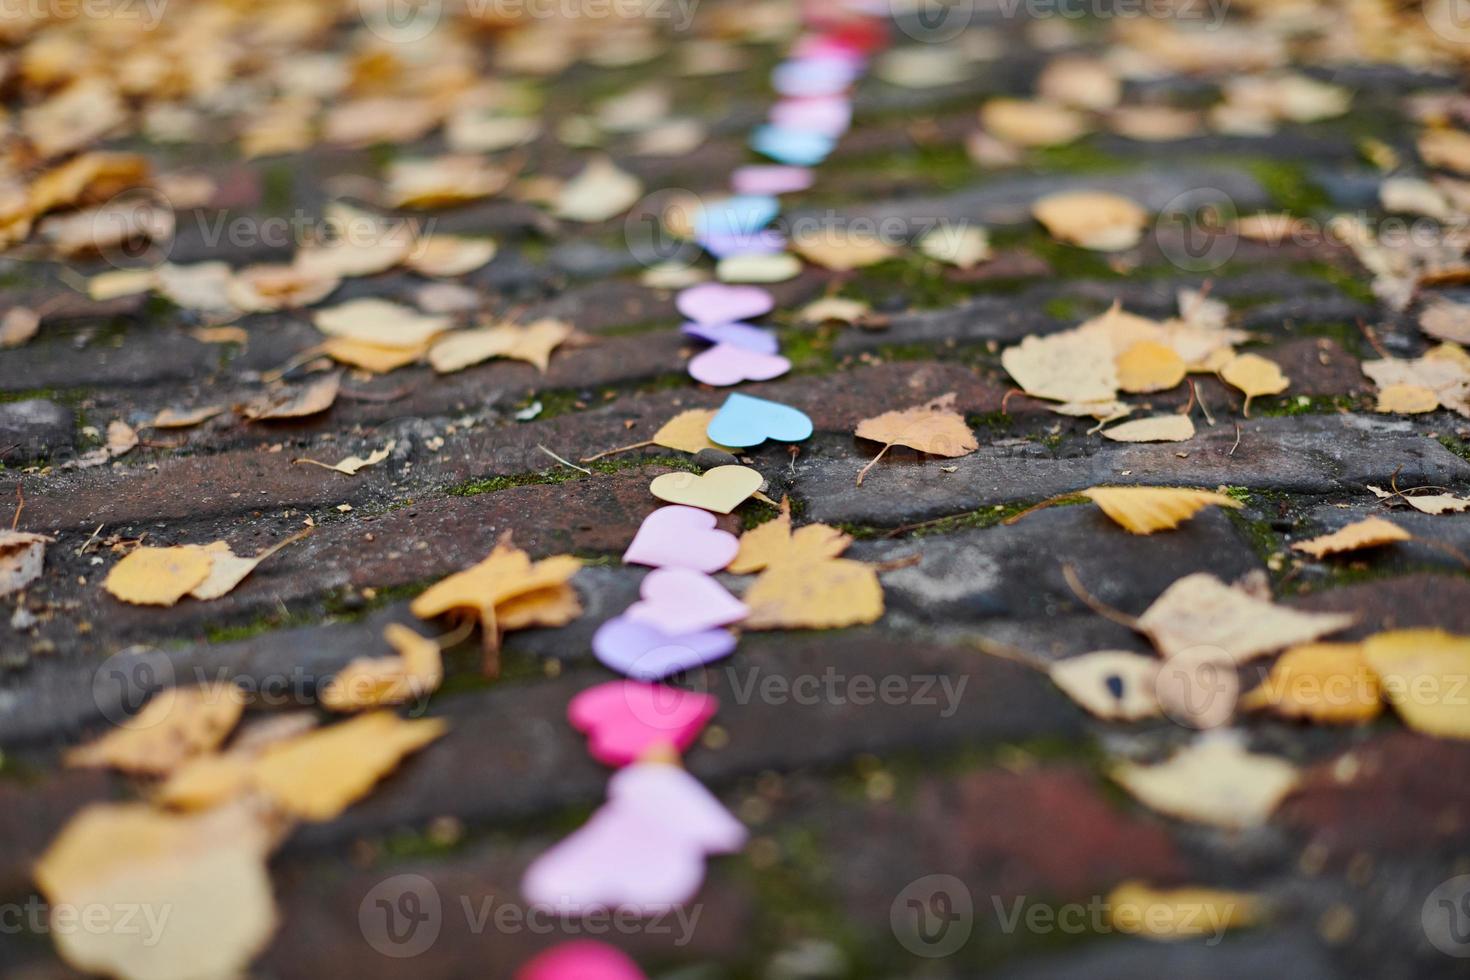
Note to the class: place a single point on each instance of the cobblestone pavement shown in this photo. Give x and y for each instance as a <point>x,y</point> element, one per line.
<point>981,770</point>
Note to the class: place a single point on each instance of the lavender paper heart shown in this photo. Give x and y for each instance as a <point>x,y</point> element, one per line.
<point>740,334</point>
<point>726,364</point>
<point>678,601</point>
<point>644,652</point>
<point>682,537</point>
<point>771,179</point>
<point>716,302</point>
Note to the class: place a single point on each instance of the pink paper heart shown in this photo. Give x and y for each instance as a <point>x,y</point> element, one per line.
<point>680,601</point>
<point>829,116</point>
<point>729,364</point>
<point>770,179</point>
<point>625,719</point>
<point>717,302</point>
<point>582,959</point>
<point>643,850</point>
<point>682,537</point>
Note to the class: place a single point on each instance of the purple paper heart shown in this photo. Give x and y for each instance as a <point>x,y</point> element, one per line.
<point>643,850</point>
<point>739,334</point>
<point>827,116</point>
<point>727,364</point>
<point>722,246</point>
<point>770,179</point>
<point>682,537</point>
<point>645,653</point>
<point>678,601</point>
<point>716,302</point>
<point>818,76</point>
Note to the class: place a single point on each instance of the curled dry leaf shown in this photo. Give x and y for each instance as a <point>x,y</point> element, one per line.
<point>1373,532</point>
<point>1155,428</point>
<point>1327,683</point>
<point>1254,376</point>
<point>1144,510</point>
<point>352,464</point>
<point>263,288</point>
<point>320,774</point>
<point>177,725</point>
<point>1423,674</point>
<point>1111,684</point>
<point>1213,781</point>
<point>1092,219</point>
<point>934,428</point>
<point>1168,914</point>
<point>532,343</point>
<point>296,403</point>
<point>450,255</point>
<point>601,191</point>
<point>1437,503</point>
<point>1201,611</point>
<point>1022,122</point>
<point>208,871</point>
<point>380,323</point>
<point>375,682</point>
<point>22,556</point>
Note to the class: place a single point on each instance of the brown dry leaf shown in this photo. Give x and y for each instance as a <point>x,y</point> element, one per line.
<point>1327,683</point>
<point>1032,123</point>
<point>1154,123</point>
<point>1443,371</point>
<point>380,323</point>
<point>1371,533</point>
<point>121,438</point>
<point>79,114</point>
<point>1447,149</point>
<point>1213,781</point>
<point>118,283</point>
<point>1081,82</point>
<point>207,781</point>
<point>550,607</point>
<point>18,326</point>
<point>1437,503</point>
<point>1402,399</point>
<point>352,464</point>
<point>821,595</point>
<point>375,682</point>
<point>450,255</point>
<point>774,543</point>
<point>184,418</point>
<point>601,191</point>
<point>320,774</point>
<point>296,403</point>
<point>1201,611</point>
<point>22,556</point>
<point>176,725</point>
<point>1155,428</point>
<point>443,181</point>
<point>834,309</point>
<point>1168,914</point>
<point>208,871</point>
<point>1092,219</point>
<point>264,288</point>
<point>158,576</point>
<point>89,178</point>
<point>532,344</point>
<point>1255,376</point>
<point>1423,673</point>
<point>1112,684</point>
<point>934,428</point>
<point>371,357</point>
<point>363,122</point>
<point>963,245</point>
<point>1144,510</point>
<point>228,569</point>
<point>1149,366</point>
<point>1446,320</point>
<point>1071,366</point>
<point>842,251</point>
<point>203,286</point>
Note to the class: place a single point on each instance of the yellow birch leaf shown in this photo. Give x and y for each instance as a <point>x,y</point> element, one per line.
<point>601,191</point>
<point>1403,399</point>
<point>842,252</point>
<point>1201,611</point>
<point>767,268</point>
<point>1370,533</point>
<point>1423,673</point>
<point>1255,376</point>
<point>549,607</point>
<point>1328,683</point>
<point>1032,123</point>
<point>1155,428</point>
<point>352,464</point>
<point>158,576</point>
<point>1092,219</point>
<point>1111,684</point>
<point>814,595</point>
<point>1144,510</point>
<point>206,781</point>
<point>320,774</point>
<point>379,323</point>
<point>1448,149</point>
<point>170,418</point>
<point>1072,366</point>
<point>1179,913</point>
<point>773,543</point>
<point>176,725</point>
<point>687,431</point>
<point>450,255</point>
<point>229,569</point>
<point>1213,781</point>
<point>1149,366</point>
<point>934,428</point>
<point>374,682</point>
<point>964,246</point>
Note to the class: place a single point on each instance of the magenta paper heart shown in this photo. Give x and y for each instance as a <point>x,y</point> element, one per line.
<point>827,116</point>
<point>739,334</point>
<point>645,653</point>
<point>716,302</point>
<point>625,719</point>
<point>682,537</point>
<point>770,179</point>
<point>643,850</point>
<point>581,959</point>
<point>679,601</point>
<point>728,364</point>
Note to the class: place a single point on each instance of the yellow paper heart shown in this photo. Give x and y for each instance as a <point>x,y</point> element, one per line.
<point>721,489</point>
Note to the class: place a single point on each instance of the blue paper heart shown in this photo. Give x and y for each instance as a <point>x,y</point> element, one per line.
<point>741,214</point>
<point>745,421</point>
<point>800,149</point>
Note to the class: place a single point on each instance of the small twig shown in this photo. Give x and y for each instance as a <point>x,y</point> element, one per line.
<point>871,463</point>
<point>1237,441</point>
<point>1202,406</point>
<point>795,451</point>
<point>894,564</point>
<point>1005,651</point>
<point>306,356</point>
<point>374,396</point>
<point>262,556</point>
<point>580,469</point>
<point>1193,396</point>
<point>1095,604</point>
<point>620,449</point>
<point>20,505</point>
<point>88,543</point>
<point>1373,341</point>
<point>1447,548</point>
<point>457,635</point>
<point>1062,498</point>
<point>1006,400</point>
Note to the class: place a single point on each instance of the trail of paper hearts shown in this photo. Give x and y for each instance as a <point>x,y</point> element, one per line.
<point>645,848</point>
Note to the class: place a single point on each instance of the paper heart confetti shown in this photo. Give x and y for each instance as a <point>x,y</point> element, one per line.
<point>826,116</point>
<point>734,244</point>
<point>770,179</point>
<point>643,652</point>
<point>582,959</point>
<point>792,146</point>
<point>623,720</point>
<point>721,489</point>
<point>681,537</point>
<point>643,850</point>
<point>728,364</point>
<point>681,600</point>
<point>814,77</point>
<point>714,302</point>
<point>746,421</point>
<point>738,334</point>
<point>742,214</point>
